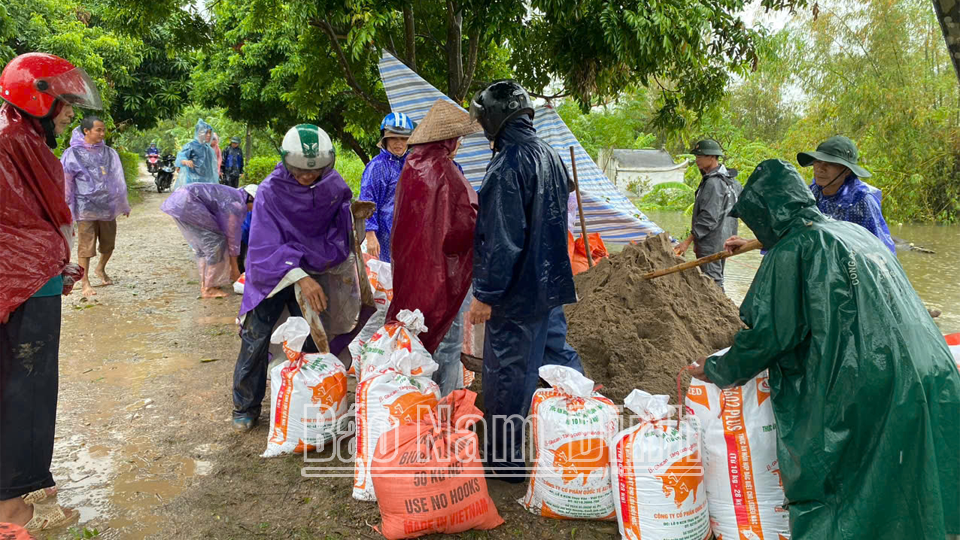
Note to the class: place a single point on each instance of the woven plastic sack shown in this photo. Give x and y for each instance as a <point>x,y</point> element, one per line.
<point>308,394</point>
<point>433,473</point>
<point>402,391</point>
<point>399,335</point>
<point>953,341</point>
<point>657,474</point>
<point>739,453</point>
<point>238,285</point>
<point>571,427</point>
<point>381,281</point>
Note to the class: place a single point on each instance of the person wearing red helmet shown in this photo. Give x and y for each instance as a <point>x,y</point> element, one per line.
<point>38,92</point>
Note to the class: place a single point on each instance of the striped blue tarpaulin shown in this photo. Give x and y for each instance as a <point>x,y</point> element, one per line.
<point>606,210</point>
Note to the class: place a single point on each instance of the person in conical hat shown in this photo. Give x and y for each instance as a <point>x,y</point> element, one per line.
<point>435,213</point>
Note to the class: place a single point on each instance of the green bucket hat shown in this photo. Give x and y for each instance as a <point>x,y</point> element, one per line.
<point>707,147</point>
<point>840,150</point>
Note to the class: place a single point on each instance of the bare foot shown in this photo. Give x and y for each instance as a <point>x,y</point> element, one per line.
<point>102,274</point>
<point>212,292</point>
<point>15,511</point>
<point>88,289</point>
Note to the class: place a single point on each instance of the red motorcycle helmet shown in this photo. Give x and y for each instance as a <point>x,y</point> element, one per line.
<point>33,82</point>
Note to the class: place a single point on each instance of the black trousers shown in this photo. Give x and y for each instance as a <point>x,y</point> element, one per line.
<point>29,362</point>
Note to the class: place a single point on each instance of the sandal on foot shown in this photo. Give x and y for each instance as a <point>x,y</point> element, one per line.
<point>49,516</point>
<point>36,496</point>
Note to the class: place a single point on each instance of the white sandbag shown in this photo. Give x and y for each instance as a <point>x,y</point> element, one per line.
<point>238,285</point>
<point>381,281</point>
<point>401,391</point>
<point>395,336</point>
<point>308,394</point>
<point>572,425</point>
<point>657,474</point>
<point>739,453</point>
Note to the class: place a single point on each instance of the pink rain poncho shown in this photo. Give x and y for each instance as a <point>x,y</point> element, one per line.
<point>210,216</point>
<point>93,180</point>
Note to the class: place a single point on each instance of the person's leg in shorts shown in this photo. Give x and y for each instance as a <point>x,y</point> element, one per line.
<point>86,249</point>
<point>107,240</point>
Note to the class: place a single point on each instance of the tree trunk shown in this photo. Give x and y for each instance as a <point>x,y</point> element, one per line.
<point>409,28</point>
<point>248,146</point>
<point>454,50</point>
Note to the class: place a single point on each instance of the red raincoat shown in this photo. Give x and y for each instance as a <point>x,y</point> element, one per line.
<point>435,213</point>
<point>33,210</point>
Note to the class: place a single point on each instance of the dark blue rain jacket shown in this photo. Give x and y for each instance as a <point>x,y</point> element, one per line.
<point>520,264</point>
<point>856,202</point>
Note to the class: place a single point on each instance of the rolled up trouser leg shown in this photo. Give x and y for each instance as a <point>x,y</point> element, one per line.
<point>29,361</point>
<point>513,352</point>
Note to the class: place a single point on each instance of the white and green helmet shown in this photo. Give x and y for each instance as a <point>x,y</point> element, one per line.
<point>308,147</point>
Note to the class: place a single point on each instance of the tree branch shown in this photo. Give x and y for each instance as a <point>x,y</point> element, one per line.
<point>345,67</point>
<point>548,98</point>
<point>454,50</point>
<point>409,30</point>
<point>473,48</point>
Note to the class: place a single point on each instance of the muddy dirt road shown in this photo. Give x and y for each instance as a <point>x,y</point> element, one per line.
<point>144,445</point>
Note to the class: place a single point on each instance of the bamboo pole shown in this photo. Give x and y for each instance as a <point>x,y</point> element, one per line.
<point>749,246</point>
<point>583,222</point>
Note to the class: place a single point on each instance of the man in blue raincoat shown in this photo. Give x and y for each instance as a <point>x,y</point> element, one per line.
<point>865,391</point>
<point>839,190</point>
<point>197,159</point>
<point>379,181</point>
<point>521,271</point>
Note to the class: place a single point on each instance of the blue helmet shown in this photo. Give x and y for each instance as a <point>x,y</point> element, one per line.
<point>397,123</point>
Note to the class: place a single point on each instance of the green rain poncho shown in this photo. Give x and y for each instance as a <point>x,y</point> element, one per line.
<point>865,391</point>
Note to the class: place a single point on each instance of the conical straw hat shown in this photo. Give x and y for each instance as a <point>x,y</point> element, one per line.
<point>443,121</point>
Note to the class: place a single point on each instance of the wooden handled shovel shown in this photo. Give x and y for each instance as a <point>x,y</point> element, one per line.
<point>749,246</point>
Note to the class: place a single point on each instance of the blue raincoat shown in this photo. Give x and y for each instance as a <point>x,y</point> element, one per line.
<point>379,185</point>
<point>857,202</point>
<point>204,159</point>
<point>521,268</point>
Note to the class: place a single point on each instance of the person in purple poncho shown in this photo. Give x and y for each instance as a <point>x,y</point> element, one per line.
<point>96,193</point>
<point>299,244</point>
<point>210,216</point>
<point>379,181</point>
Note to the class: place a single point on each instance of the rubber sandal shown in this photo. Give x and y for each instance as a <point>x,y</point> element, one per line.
<point>36,496</point>
<point>49,516</point>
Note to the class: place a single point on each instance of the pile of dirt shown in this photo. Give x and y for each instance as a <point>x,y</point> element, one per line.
<point>636,333</point>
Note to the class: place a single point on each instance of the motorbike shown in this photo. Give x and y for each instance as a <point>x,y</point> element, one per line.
<point>153,163</point>
<point>164,176</point>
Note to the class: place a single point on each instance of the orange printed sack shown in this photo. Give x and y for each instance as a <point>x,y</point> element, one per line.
<point>433,473</point>
<point>657,474</point>
<point>953,342</point>
<point>402,391</point>
<point>739,453</point>
<point>571,425</point>
<point>399,335</point>
<point>308,394</point>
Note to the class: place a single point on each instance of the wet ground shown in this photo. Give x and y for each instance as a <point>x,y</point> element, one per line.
<point>144,445</point>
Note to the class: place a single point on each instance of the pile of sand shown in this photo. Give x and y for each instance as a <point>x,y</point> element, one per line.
<point>636,333</point>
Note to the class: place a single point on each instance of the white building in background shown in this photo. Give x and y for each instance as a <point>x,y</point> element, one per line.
<point>640,170</point>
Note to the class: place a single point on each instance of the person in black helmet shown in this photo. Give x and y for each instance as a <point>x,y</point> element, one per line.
<point>521,271</point>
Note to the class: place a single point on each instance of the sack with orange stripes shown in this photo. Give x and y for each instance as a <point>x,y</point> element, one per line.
<point>571,425</point>
<point>741,469</point>
<point>399,335</point>
<point>381,281</point>
<point>308,394</point>
<point>433,473</point>
<point>401,391</point>
<point>657,474</point>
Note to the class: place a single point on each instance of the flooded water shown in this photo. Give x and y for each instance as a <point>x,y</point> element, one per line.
<point>934,276</point>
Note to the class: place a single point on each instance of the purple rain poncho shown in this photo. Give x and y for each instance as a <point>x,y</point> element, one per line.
<point>857,202</point>
<point>204,159</point>
<point>379,185</point>
<point>295,226</point>
<point>93,174</point>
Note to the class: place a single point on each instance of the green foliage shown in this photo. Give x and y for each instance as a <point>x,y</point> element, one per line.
<point>621,125</point>
<point>257,169</point>
<point>677,196</point>
<point>131,173</point>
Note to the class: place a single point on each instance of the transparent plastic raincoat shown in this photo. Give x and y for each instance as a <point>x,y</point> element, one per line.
<point>210,216</point>
<point>864,388</point>
<point>204,159</point>
<point>93,178</point>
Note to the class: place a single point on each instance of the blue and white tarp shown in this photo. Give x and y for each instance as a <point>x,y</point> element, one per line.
<point>606,210</point>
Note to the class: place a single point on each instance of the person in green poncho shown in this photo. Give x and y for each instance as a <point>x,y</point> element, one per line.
<point>864,388</point>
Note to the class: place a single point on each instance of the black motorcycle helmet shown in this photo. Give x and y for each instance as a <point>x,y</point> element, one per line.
<point>498,103</point>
